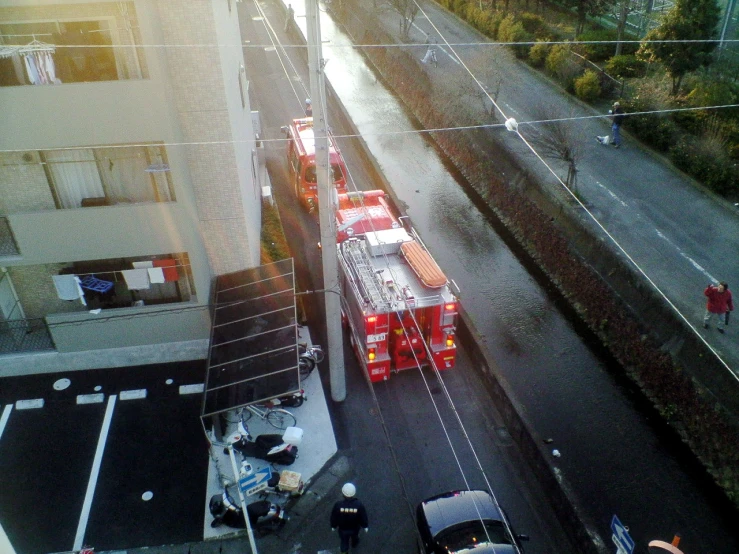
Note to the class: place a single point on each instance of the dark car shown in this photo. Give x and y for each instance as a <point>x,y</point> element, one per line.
<point>465,521</point>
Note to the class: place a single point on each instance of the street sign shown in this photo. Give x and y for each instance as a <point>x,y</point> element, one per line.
<point>257,481</point>
<point>621,537</point>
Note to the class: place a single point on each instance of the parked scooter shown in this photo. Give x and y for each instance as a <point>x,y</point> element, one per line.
<point>264,516</point>
<point>271,448</point>
<point>292,400</point>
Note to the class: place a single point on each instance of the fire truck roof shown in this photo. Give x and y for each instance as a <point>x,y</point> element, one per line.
<point>361,212</point>
<point>306,142</point>
<point>386,278</point>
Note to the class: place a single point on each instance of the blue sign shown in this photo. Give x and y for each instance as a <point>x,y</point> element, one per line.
<point>255,482</point>
<point>621,537</point>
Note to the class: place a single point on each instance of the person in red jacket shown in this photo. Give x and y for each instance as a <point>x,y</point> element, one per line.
<point>719,304</point>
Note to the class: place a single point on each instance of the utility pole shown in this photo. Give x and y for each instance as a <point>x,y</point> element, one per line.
<point>326,204</point>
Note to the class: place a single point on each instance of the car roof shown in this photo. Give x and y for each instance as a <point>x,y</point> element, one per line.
<point>445,510</point>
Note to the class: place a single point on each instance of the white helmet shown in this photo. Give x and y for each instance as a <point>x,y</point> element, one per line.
<point>348,490</point>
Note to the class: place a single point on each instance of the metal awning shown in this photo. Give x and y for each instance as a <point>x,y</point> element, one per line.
<point>253,354</point>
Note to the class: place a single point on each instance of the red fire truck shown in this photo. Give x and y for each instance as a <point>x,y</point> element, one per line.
<point>301,162</point>
<point>359,212</point>
<point>400,307</point>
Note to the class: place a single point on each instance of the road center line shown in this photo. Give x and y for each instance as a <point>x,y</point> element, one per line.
<point>5,417</point>
<point>85,515</point>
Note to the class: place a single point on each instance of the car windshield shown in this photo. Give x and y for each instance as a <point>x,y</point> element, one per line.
<point>471,533</point>
<point>336,173</point>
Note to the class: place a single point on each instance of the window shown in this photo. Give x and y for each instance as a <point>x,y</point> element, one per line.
<point>78,50</point>
<point>110,175</point>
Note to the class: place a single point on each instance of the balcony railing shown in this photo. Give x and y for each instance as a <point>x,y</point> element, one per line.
<point>8,247</point>
<point>24,335</point>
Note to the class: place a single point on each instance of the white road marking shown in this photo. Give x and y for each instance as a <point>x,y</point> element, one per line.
<point>695,264</point>
<point>136,394</point>
<point>5,545</point>
<point>191,389</point>
<point>90,398</point>
<point>3,422</point>
<point>85,515</point>
<point>612,195</point>
<point>29,404</point>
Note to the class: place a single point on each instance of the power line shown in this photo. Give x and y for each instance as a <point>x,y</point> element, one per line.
<point>515,128</point>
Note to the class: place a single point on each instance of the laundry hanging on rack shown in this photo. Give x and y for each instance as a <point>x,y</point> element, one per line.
<point>40,68</point>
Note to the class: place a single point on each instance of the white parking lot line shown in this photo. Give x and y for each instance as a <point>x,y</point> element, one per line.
<point>5,546</point>
<point>4,420</point>
<point>191,389</point>
<point>136,394</point>
<point>85,515</point>
<point>90,398</point>
<point>29,404</point>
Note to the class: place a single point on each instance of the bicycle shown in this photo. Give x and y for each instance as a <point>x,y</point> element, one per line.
<point>309,357</point>
<point>278,418</point>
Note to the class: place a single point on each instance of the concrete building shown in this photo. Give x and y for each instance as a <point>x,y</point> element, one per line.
<point>128,178</point>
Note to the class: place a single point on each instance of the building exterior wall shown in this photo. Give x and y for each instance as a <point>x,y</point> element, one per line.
<point>186,97</point>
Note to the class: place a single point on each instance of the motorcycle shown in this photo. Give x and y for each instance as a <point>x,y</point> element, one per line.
<point>264,516</point>
<point>292,400</point>
<point>271,447</point>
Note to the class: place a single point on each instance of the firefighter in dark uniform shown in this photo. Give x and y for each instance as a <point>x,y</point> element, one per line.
<point>349,516</point>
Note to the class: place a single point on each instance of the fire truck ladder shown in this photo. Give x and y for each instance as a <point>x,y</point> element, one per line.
<point>377,296</point>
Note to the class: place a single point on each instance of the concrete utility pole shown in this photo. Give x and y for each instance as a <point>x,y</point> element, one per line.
<point>326,201</point>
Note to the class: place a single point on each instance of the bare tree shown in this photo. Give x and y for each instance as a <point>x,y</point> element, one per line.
<point>558,140</point>
<point>489,75</point>
<point>408,9</point>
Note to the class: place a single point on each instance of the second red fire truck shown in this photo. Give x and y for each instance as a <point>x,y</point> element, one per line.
<point>301,162</point>
<point>400,307</point>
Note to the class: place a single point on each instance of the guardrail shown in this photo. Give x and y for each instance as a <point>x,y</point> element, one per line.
<point>25,335</point>
<point>8,246</point>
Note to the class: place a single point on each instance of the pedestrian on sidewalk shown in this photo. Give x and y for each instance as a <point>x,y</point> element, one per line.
<point>430,52</point>
<point>617,118</point>
<point>719,304</point>
<point>290,17</point>
<point>308,108</point>
<point>348,516</point>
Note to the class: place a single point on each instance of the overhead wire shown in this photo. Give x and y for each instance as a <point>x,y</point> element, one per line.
<point>418,332</point>
<point>590,214</point>
<point>382,134</point>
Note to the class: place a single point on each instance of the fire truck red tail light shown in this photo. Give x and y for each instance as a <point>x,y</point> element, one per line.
<point>450,307</point>
<point>372,319</point>
<point>371,354</point>
<point>450,341</point>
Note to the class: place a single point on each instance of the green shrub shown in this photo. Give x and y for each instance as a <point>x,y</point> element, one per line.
<point>707,161</point>
<point>479,19</point>
<point>597,52</point>
<point>558,56</point>
<point>494,25</point>
<point>511,30</point>
<point>273,243</point>
<point>560,63</point>
<point>538,53</point>
<point>587,87</point>
<point>657,130</point>
<point>626,67</point>
<point>534,24</point>
<point>459,6</point>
